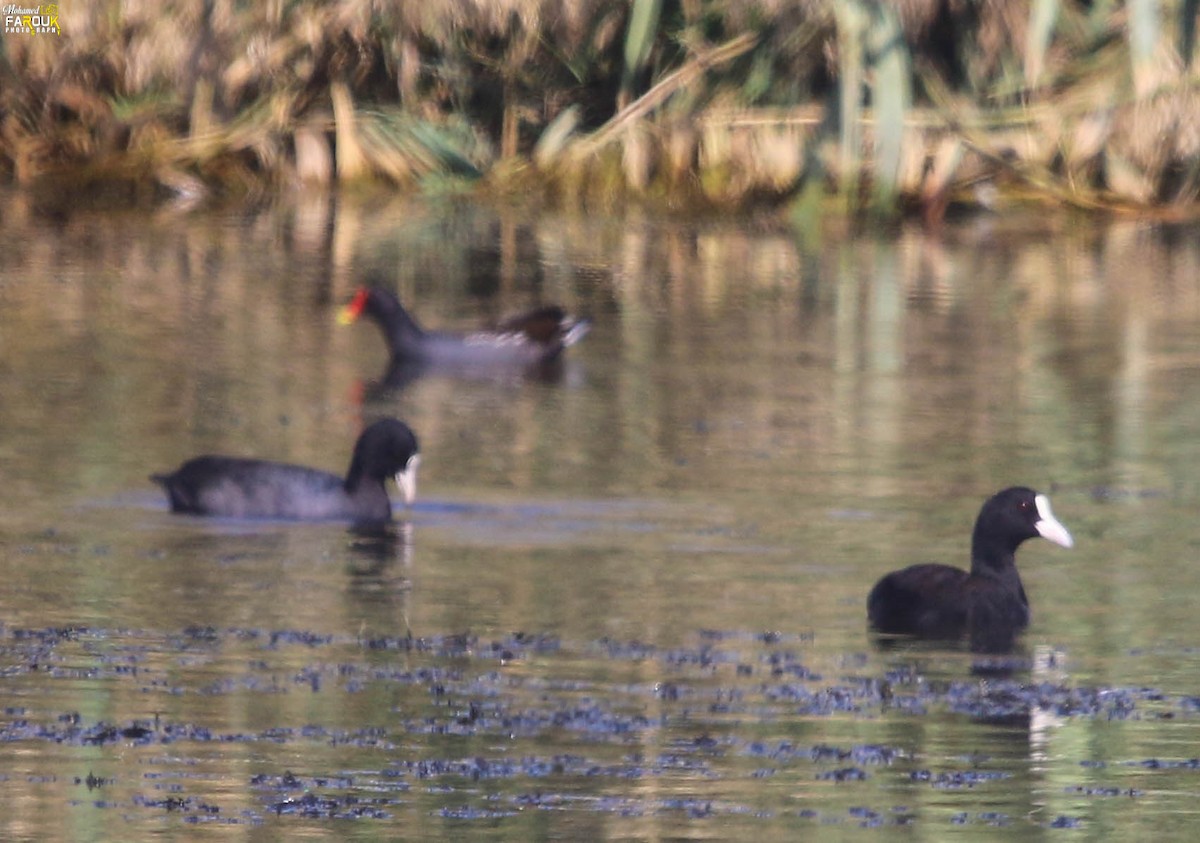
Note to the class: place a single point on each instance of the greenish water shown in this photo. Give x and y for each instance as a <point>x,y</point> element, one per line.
<point>629,602</point>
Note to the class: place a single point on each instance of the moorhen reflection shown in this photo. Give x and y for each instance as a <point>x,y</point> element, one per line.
<point>987,603</point>
<point>236,487</point>
<point>532,341</point>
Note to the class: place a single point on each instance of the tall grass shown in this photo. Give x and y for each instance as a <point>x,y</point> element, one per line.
<point>888,105</point>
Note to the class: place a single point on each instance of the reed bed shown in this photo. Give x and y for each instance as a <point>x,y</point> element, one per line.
<point>885,107</point>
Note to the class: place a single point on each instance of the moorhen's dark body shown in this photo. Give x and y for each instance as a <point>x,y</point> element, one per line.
<point>988,603</point>
<point>533,338</point>
<point>236,487</point>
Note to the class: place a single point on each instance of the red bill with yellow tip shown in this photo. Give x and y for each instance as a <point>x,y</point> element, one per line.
<point>354,309</point>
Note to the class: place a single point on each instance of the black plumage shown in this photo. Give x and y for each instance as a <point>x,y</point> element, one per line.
<point>238,487</point>
<point>988,603</point>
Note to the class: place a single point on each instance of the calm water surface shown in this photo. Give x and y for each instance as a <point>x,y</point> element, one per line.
<point>629,602</point>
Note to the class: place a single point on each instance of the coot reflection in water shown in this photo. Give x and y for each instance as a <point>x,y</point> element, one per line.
<point>236,487</point>
<point>988,603</point>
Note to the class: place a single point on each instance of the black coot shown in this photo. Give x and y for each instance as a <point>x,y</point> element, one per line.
<point>247,488</point>
<point>989,602</point>
<point>536,337</point>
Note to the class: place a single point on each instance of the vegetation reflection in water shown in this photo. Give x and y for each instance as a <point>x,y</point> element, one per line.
<point>630,599</point>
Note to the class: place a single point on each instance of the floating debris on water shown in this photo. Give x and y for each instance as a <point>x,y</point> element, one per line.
<point>681,714</point>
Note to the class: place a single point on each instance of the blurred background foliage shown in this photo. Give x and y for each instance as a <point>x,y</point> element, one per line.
<point>886,107</point>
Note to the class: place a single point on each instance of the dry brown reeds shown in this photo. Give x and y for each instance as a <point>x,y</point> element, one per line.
<point>887,105</point>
